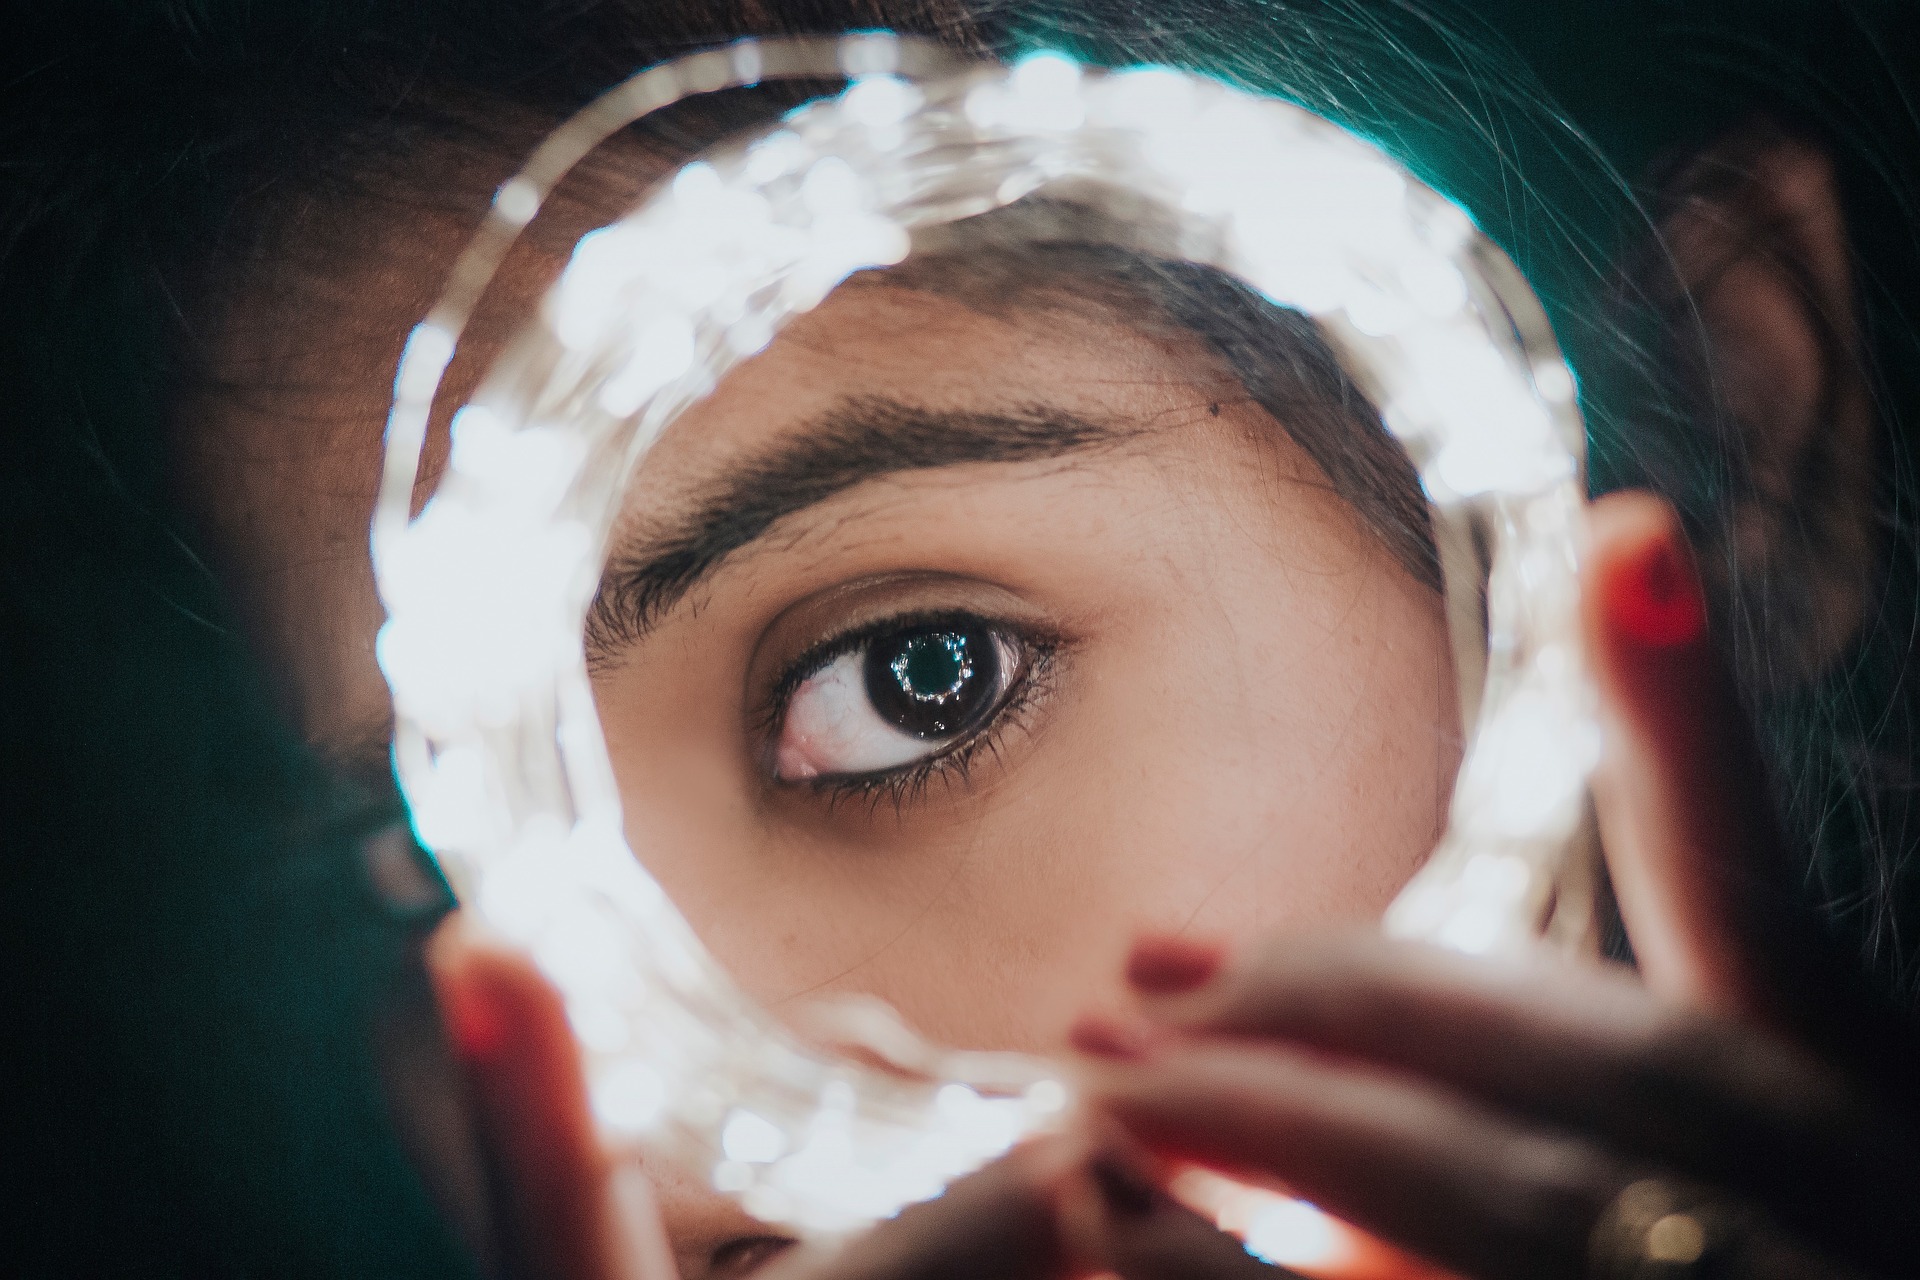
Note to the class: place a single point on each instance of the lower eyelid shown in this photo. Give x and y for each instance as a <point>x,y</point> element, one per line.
<point>903,784</point>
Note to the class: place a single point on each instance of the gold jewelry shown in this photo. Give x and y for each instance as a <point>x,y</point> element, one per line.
<point>1657,1229</point>
<point>1660,1230</point>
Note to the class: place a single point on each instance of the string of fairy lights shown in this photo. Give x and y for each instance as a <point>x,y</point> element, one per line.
<point>498,746</point>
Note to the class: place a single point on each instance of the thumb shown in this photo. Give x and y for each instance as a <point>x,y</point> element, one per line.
<point>1707,885</point>
<point>1697,864</point>
<point>565,1208</point>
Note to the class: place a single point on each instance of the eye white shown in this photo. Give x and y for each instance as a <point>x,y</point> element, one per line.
<point>831,727</point>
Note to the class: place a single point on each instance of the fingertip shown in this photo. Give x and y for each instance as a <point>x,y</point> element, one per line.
<point>1173,964</point>
<point>1698,869</point>
<point>1628,515</point>
<point>1111,1037</point>
<point>476,1025</point>
<point>1642,579</point>
<point>502,1017</point>
<point>463,956</point>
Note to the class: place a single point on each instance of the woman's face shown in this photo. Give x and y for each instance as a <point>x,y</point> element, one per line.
<point>1044,634</point>
<point>1096,650</point>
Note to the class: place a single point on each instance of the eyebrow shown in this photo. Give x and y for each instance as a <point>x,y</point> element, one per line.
<point>857,440</point>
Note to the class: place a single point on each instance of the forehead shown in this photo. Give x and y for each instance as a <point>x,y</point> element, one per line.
<point>277,440</point>
<point>297,338</point>
<point>876,339</point>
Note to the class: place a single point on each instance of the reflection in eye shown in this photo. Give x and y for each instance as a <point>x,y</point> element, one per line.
<point>900,694</point>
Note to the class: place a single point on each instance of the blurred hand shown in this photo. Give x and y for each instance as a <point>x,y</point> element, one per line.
<point>565,1210</point>
<point>1490,1117</point>
<point>1741,1101</point>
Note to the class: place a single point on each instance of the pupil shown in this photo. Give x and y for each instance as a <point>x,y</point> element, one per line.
<point>933,667</point>
<point>932,682</point>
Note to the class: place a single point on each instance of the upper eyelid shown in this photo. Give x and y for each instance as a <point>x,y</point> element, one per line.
<point>857,440</point>
<point>817,655</point>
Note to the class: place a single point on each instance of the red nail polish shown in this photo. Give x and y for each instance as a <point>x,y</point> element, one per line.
<point>1102,1036</point>
<point>1656,598</point>
<point>473,1024</point>
<point>1165,965</point>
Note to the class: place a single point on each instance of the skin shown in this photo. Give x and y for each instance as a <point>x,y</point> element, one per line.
<point>1484,1115</point>
<point>1383,1104</point>
<point>1247,717</point>
<point>1749,1062</point>
<point>1245,725</point>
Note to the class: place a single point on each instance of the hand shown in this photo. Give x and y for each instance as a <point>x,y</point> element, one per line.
<point>1493,1117</point>
<point>564,1209</point>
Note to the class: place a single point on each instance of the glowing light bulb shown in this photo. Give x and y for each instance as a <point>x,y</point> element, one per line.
<point>752,1139</point>
<point>497,742</point>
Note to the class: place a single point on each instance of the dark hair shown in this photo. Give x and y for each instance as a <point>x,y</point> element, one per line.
<point>198,954</point>
<point>1056,251</point>
<point>1565,130</point>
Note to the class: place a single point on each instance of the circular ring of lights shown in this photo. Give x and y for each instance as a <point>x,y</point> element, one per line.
<point>498,746</point>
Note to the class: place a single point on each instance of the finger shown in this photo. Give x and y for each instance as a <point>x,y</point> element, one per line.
<point>1002,1223</point>
<point>1581,1049</point>
<point>1705,882</point>
<point>1172,1243</point>
<point>1168,964</point>
<point>1697,863</point>
<point>1280,1230</point>
<point>564,1209</point>
<point>1452,1181</point>
<point>1120,1222</point>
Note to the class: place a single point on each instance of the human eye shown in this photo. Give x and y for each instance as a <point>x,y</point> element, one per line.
<point>891,705</point>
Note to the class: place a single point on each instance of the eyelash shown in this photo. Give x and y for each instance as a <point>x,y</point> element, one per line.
<point>906,784</point>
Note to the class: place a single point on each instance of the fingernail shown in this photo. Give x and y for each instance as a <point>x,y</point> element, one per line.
<point>1164,964</point>
<point>1656,598</point>
<point>472,1023</point>
<point>1105,1036</point>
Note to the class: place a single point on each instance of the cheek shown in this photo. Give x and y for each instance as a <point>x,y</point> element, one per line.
<point>1247,745</point>
<point>792,912</point>
<point>284,514</point>
<point>1286,777</point>
<point>1225,771</point>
